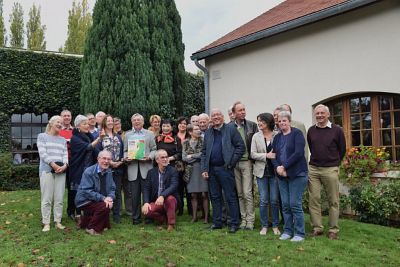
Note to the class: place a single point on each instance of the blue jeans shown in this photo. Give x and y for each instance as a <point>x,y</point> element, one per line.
<point>220,178</point>
<point>268,190</point>
<point>292,190</point>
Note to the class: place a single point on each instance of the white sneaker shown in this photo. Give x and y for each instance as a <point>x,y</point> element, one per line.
<point>264,231</point>
<point>284,237</point>
<point>297,238</point>
<point>276,231</point>
<point>60,226</point>
<point>46,228</point>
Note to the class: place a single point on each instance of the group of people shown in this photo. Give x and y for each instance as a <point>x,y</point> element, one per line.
<point>203,158</point>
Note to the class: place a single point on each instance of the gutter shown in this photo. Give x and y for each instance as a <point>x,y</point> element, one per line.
<point>320,15</point>
<point>206,86</point>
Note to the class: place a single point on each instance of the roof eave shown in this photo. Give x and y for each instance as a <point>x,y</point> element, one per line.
<point>325,13</point>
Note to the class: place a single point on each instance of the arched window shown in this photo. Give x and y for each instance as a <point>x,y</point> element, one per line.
<point>24,131</point>
<point>369,120</point>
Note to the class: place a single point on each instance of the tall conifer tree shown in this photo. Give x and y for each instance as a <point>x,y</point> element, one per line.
<point>35,30</point>
<point>133,60</point>
<point>79,23</point>
<point>17,26</point>
<point>3,38</point>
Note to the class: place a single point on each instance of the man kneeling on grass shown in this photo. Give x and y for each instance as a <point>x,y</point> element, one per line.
<point>96,194</point>
<point>160,192</point>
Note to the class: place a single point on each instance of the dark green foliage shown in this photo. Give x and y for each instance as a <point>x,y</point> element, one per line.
<point>21,177</point>
<point>193,101</point>
<point>376,203</point>
<point>133,60</point>
<point>38,83</point>
<point>5,142</point>
<point>5,169</point>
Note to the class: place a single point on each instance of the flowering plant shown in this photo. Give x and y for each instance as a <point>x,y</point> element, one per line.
<point>360,162</point>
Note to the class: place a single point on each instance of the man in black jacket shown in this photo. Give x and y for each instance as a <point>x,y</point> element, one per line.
<point>160,192</point>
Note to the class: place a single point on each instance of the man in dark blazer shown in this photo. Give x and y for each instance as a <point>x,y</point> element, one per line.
<point>223,147</point>
<point>160,192</point>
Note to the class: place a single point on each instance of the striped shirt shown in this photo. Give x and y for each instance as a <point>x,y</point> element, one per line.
<point>51,149</point>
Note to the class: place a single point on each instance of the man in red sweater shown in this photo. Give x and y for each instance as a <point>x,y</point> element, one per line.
<point>327,146</point>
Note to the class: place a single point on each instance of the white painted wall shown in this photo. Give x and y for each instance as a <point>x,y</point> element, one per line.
<point>354,52</point>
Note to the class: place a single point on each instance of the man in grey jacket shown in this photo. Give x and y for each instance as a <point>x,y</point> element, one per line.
<point>138,167</point>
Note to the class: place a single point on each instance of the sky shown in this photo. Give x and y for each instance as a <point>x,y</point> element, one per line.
<point>202,22</point>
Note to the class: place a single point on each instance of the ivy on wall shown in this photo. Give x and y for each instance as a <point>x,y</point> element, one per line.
<point>32,82</point>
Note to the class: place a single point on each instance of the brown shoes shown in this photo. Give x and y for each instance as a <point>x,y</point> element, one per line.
<point>170,228</point>
<point>315,233</point>
<point>91,232</point>
<point>332,236</point>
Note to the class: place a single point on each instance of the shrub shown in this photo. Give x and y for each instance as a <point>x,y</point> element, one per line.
<point>376,203</point>
<point>5,168</point>
<point>17,177</point>
<point>360,163</point>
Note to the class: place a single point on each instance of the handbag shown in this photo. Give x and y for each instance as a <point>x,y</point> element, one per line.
<point>179,166</point>
<point>188,173</point>
<point>59,163</point>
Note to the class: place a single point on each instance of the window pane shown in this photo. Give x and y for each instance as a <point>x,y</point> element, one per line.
<point>355,122</point>
<point>338,120</point>
<point>16,144</point>
<point>355,138</point>
<point>36,118</point>
<point>365,104</point>
<point>26,117</point>
<point>397,119</point>
<point>337,109</point>
<point>367,121</point>
<point>384,103</point>
<point>26,132</point>
<point>27,144</point>
<point>397,153</point>
<point>43,129</point>
<point>385,120</point>
<point>386,137</point>
<point>16,118</point>
<point>36,131</point>
<point>355,105</point>
<point>45,118</point>
<point>397,131</point>
<point>16,132</point>
<point>367,138</point>
<point>396,104</point>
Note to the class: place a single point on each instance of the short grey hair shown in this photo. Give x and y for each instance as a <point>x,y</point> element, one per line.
<point>79,119</point>
<point>322,106</point>
<point>100,113</point>
<point>204,116</point>
<point>285,114</point>
<point>137,115</point>
<point>104,151</point>
<point>157,154</point>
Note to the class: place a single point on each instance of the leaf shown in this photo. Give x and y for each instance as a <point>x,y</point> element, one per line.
<point>170,264</point>
<point>8,222</point>
<point>35,251</point>
<point>21,264</point>
<point>112,241</point>
<point>2,204</point>
<point>300,249</point>
<point>41,258</point>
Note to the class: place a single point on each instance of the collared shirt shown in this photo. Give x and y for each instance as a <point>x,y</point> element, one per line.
<point>138,132</point>
<point>160,182</point>
<point>329,125</point>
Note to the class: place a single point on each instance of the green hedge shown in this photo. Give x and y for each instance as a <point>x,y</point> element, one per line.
<point>5,137</point>
<point>17,177</point>
<point>38,83</point>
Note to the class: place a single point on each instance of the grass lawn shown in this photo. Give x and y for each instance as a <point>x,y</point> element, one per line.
<point>22,242</point>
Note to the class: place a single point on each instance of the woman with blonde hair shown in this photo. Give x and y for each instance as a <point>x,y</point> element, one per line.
<point>53,164</point>
<point>155,123</point>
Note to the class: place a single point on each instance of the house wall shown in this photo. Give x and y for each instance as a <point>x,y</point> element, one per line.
<point>355,52</point>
